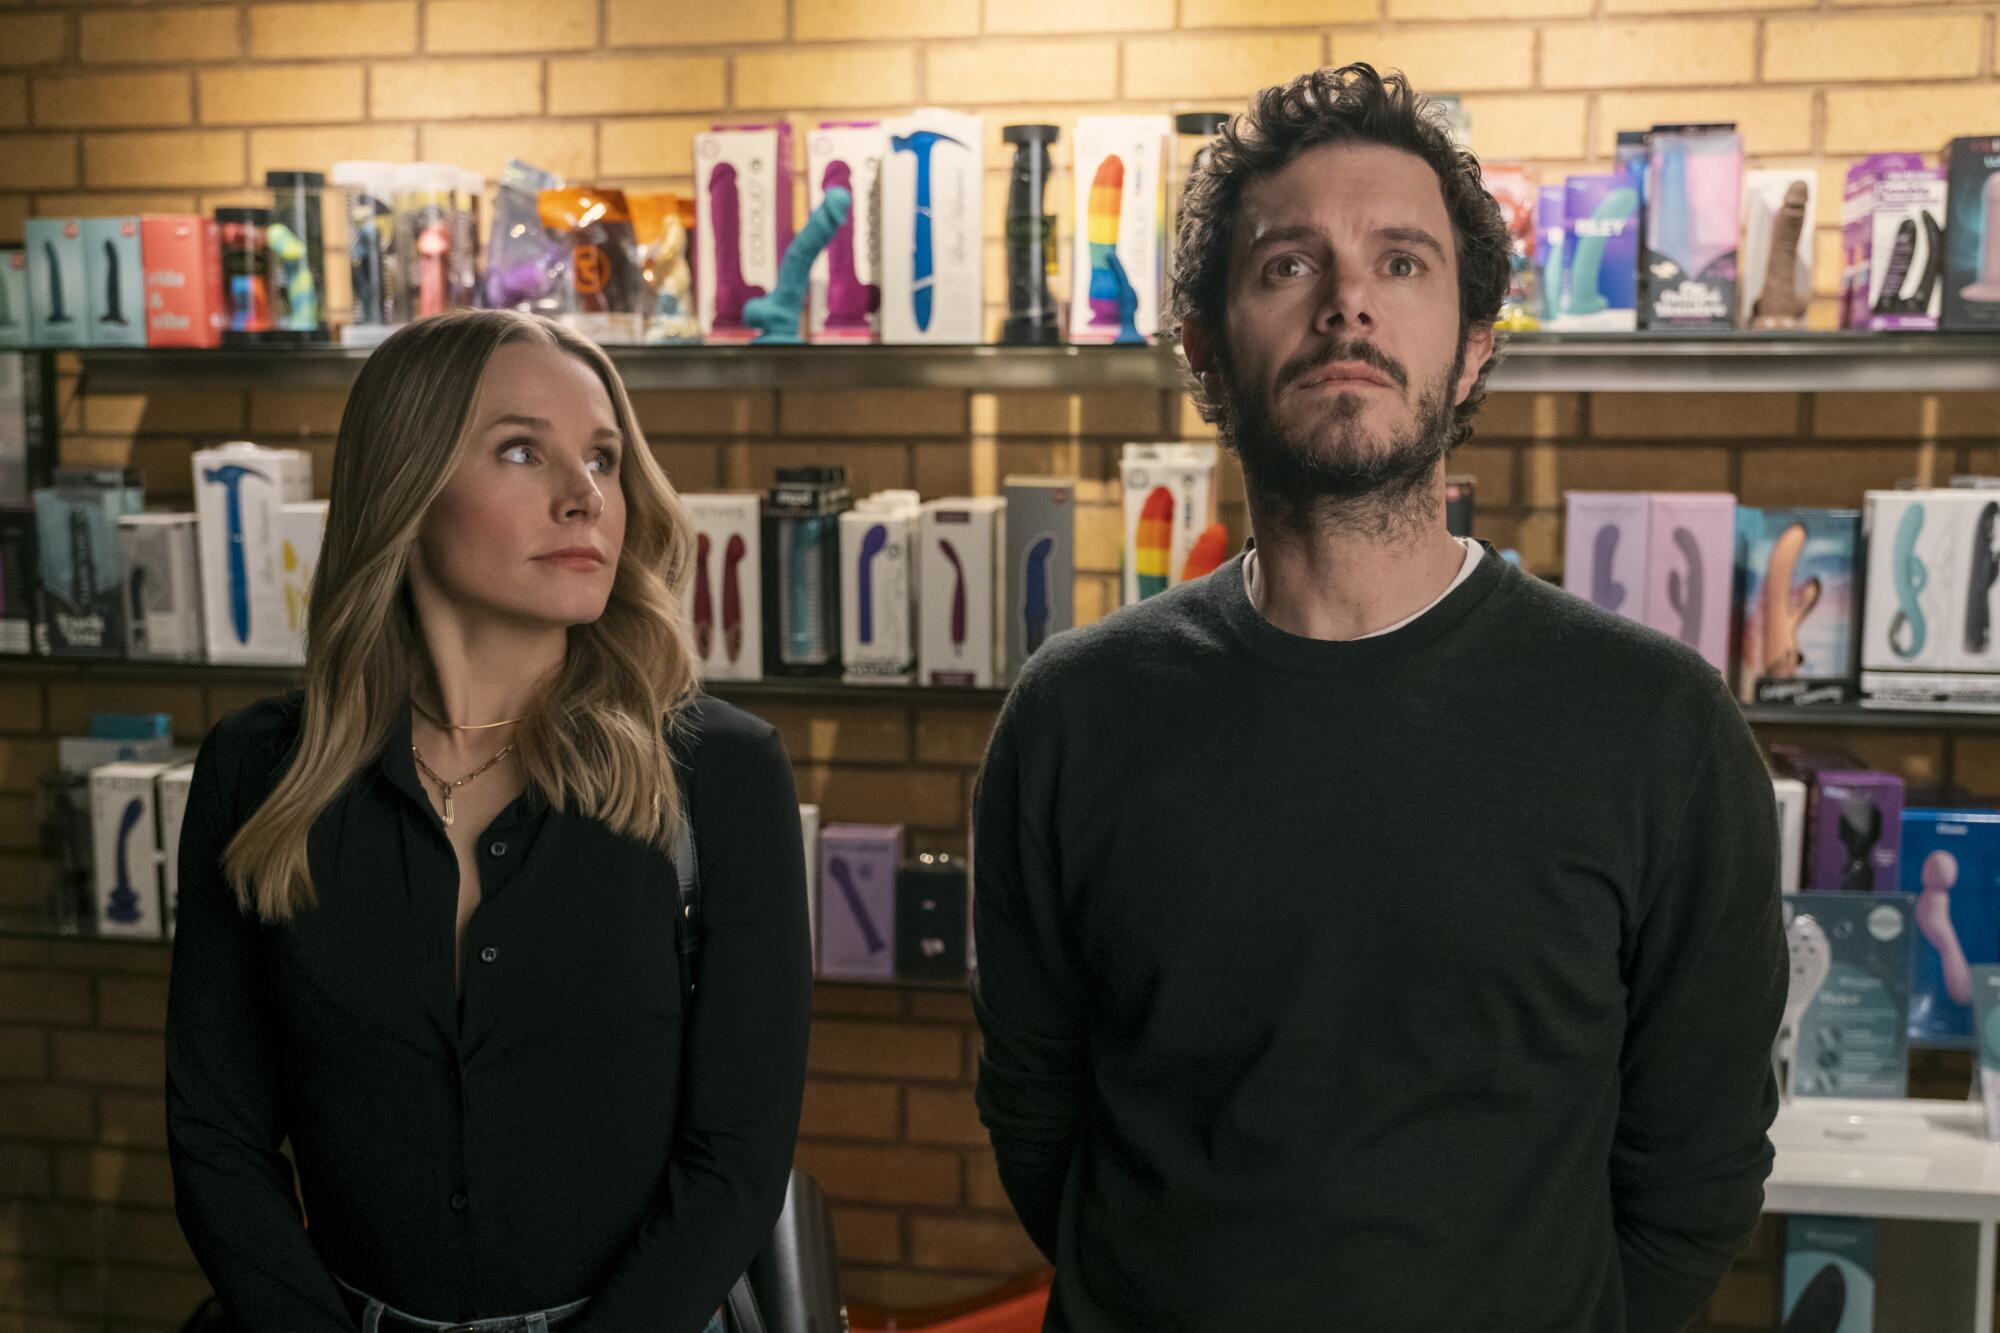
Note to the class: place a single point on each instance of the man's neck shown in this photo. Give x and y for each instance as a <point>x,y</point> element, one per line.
<point>1339,581</point>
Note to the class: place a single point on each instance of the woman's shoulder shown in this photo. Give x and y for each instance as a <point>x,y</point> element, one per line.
<point>267,727</point>
<point>708,731</point>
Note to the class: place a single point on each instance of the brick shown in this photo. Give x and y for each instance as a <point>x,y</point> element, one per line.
<point>844,77</point>
<point>945,1006</point>
<point>112,100</point>
<point>126,1293</point>
<point>332,28</point>
<point>649,147</point>
<point>568,148</point>
<point>23,764</point>
<point>1459,58</point>
<point>856,999</point>
<point>705,412</point>
<point>163,411</point>
<point>871,412</point>
<point>854,734</point>
<point>447,90</point>
<point>194,158</point>
<point>1493,470</point>
<point>13,103</point>
<point>1100,539</point>
<point>1743,1299</point>
<point>44,997</point>
<point>45,1111</point>
<point>114,1175</point>
<point>26,880</point>
<point>20,705</point>
<point>866,20</point>
<point>858,1174</point>
<point>39,161</point>
<point>1874,48</point>
<point>1698,6</point>
<point>944,1116</point>
<point>296,411</point>
<point>690,467</point>
<point>112,204</point>
<point>24,1052</point>
<point>1535,127</point>
<point>1638,55</point>
<point>1824,475</point>
<point>972,1244</point>
<point>885,1050</point>
<point>50,1230</point>
<point>1552,470</point>
<point>1234,66</point>
<point>1081,69</point>
<point>1275,13</point>
<point>19,829</point>
<point>136,1003</point>
<point>869,1235</point>
<point>953,735</point>
<point>479,27</point>
<point>843,1110</point>
<point>72,702</point>
<point>982,1183</point>
<point>33,39</point>
<point>902,1288</point>
<point>132,954</point>
<point>641,23</point>
<point>132,1119</point>
<point>160,36</point>
<point>1731,416</point>
<point>1037,16</point>
<point>870,467</point>
<point>30,1284</point>
<point>927,798</point>
<point>1772,120</point>
<point>112,1059</point>
<point>1916,416</point>
<point>1427,10</point>
<point>318,149</point>
<point>1914,116</point>
<point>613,84</point>
<point>281,95</point>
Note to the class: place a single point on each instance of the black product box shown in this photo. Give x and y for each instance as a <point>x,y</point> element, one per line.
<point>81,565</point>
<point>933,917</point>
<point>18,581</point>
<point>1458,504</point>
<point>1972,235</point>
<point>802,571</point>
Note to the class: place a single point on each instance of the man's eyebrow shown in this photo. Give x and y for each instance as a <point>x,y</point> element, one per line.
<point>1412,236</point>
<point>1284,236</point>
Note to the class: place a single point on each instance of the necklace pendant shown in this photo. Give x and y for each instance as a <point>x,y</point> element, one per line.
<point>447,807</point>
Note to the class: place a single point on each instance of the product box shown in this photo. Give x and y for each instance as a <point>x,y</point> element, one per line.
<point>802,571</point>
<point>845,303</point>
<point>58,314</point>
<point>162,586</point>
<point>1606,538</point>
<point>183,266</point>
<point>1791,798</point>
<point>1632,162</point>
<point>81,565</point>
<point>857,918</point>
<point>1551,251</point>
<point>1512,186</point>
<point>1912,608</point>
<point>1040,568</point>
<point>961,640</point>
<point>1600,255</point>
<point>1951,864</point>
<point>1972,236</point>
<point>1118,256</point>
<point>1986,1022</point>
<point>1691,570</point>
<point>13,296</point>
<point>809,830</point>
<point>79,756</point>
<point>1460,495</point>
<point>933,258</point>
<point>124,825</point>
<point>240,492</point>
<point>1776,277</point>
<point>878,590</point>
<point>726,596</point>
<point>114,282</point>
<point>1829,1274</point>
<point>1892,244</point>
<point>1853,830</point>
<point>171,792</point>
<point>19,581</point>
<point>1694,203</point>
<point>1798,604</point>
<point>933,918</point>
<point>743,216</point>
<point>1853,1033</point>
<point>1169,503</point>
<point>301,531</point>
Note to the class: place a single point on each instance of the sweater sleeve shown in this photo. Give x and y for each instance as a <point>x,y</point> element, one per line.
<point>1705,983</point>
<point>232,1187</point>
<point>743,1070</point>
<point>1027,990</point>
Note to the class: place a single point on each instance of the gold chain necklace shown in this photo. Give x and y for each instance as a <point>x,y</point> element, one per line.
<point>445,788</point>
<point>459,726</point>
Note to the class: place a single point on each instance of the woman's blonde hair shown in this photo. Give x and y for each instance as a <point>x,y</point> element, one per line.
<point>596,741</point>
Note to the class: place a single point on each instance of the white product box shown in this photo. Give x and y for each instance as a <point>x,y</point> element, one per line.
<point>1975,642</point>
<point>124,826</point>
<point>1169,503</point>
<point>172,795</point>
<point>743,216</point>
<point>1914,605</point>
<point>162,587</point>
<point>1691,570</point>
<point>1763,198</point>
<point>933,260</point>
<point>726,596</point>
<point>846,293</point>
<point>1121,212</point>
<point>240,493</point>
<point>1605,545</point>
<point>809,828</point>
<point>302,530</point>
<point>1791,797</point>
<point>83,755</point>
<point>963,589</point>
<point>878,591</point>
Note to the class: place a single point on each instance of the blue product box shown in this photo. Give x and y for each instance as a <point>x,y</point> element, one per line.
<point>1853,1030</point>
<point>1600,255</point>
<point>81,561</point>
<point>13,296</point>
<point>1829,1274</point>
<point>114,282</point>
<point>57,313</point>
<point>1951,864</point>
<point>1693,207</point>
<point>1795,590</point>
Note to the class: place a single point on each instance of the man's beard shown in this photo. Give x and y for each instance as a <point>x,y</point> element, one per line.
<point>1337,472</point>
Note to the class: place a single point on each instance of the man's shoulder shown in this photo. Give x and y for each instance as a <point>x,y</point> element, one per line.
<point>1579,650</point>
<point>1167,633</point>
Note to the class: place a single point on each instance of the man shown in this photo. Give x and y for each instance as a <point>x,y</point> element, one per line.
<point>1371,937</point>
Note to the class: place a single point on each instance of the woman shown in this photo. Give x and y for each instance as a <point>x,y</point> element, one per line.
<point>428,912</point>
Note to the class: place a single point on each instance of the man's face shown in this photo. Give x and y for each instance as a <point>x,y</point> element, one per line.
<point>1339,357</point>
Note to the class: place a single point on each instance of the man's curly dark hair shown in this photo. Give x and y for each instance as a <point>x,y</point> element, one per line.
<point>1352,104</point>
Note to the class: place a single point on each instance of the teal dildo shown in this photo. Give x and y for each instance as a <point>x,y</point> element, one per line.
<point>776,316</point>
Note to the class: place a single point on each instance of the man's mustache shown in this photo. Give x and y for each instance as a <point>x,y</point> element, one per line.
<point>1367,353</point>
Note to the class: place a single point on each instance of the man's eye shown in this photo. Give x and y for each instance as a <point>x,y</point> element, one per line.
<point>1286,266</point>
<point>1404,266</point>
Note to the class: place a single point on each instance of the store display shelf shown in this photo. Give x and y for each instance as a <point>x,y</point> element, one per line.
<point>1535,362</point>
<point>1880,719</point>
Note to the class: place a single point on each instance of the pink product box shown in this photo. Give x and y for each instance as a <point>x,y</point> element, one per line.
<point>857,899</point>
<point>1690,570</point>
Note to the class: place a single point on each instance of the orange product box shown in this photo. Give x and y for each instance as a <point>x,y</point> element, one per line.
<point>182,255</point>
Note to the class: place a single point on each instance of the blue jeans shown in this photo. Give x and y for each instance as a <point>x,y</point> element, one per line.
<point>372,1312</point>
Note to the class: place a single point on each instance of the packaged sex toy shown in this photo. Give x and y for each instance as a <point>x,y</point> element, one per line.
<point>1951,864</point>
<point>1972,237</point>
<point>1777,249</point>
<point>1600,255</point>
<point>963,587</point>
<point>1118,256</point>
<point>933,260</point>
<point>1693,204</point>
<point>1852,1027</point>
<point>725,598</point>
<point>524,263</point>
<point>878,589</point>
<point>1797,600</point>
<point>802,570</point>
<point>667,313</point>
<point>743,201</point>
<point>1513,188</point>
<point>604,282</point>
<point>845,294</point>
<point>1892,244</point>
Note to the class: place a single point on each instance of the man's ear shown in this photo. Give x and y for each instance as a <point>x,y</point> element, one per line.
<point>1478,351</point>
<point>1199,345</point>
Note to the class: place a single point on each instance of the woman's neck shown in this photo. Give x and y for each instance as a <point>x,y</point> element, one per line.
<point>484,673</point>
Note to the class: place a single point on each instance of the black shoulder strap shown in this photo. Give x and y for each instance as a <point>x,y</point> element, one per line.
<point>687,873</point>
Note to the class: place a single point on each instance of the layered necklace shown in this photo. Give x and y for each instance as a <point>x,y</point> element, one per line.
<point>445,786</point>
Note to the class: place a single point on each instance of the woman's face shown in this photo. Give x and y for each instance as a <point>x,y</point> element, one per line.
<point>530,525</point>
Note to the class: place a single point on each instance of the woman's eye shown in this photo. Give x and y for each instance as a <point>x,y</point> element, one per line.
<point>519,447</point>
<point>606,461</point>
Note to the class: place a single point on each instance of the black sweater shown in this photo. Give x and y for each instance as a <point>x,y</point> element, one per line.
<point>563,1129</point>
<point>1419,982</point>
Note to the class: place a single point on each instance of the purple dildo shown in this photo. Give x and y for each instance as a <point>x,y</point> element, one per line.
<point>848,301</point>
<point>730,289</point>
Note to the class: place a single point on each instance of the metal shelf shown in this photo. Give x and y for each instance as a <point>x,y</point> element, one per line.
<point>1878,719</point>
<point>1535,362</point>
